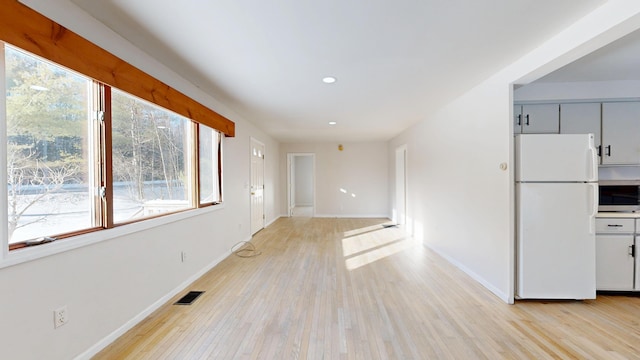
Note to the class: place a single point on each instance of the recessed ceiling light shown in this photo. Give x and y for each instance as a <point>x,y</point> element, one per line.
<point>329,80</point>
<point>332,122</point>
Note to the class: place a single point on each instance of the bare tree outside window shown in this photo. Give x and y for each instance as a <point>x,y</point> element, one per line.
<point>150,169</point>
<point>47,166</point>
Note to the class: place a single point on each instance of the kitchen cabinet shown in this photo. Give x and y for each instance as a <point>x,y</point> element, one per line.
<point>517,119</point>
<point>620,133</point>
<point>637,264</point>
<point>581,118</point>
<point>536,119</point>
<point>615,125</point>
<point>615,248</point>
<point>614,262</point>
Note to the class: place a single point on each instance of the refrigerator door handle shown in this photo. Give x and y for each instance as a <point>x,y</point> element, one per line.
<point>593,202</point>
<point>592,163</point>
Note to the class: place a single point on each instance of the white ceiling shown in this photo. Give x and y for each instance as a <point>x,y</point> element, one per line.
<point>619,60</point>
<point>394,60</point>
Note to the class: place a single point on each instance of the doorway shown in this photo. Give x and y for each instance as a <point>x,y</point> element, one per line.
<point>301,192</point>
<point>257,186</point>
<point>400,210</point>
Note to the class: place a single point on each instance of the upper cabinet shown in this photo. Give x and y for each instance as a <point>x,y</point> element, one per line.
<point>615,125</point>
<point>621,133</point>
<point>536,119</point>
<point>581,118</point>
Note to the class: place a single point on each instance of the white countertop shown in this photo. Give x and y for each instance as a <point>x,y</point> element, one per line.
<point>632,215</point>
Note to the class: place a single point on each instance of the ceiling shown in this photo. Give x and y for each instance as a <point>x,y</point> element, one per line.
<point>394,60</point>
<point>616,61</point>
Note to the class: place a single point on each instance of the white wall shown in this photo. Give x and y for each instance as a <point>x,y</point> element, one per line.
<point>303,180</point>
<point>120,275</point>
<point>460,203</point>
<point>349,183</point>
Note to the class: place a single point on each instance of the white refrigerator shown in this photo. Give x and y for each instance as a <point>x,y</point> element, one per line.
<point>557,201</point>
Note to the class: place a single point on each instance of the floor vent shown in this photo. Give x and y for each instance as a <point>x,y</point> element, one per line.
<point>189,298</point>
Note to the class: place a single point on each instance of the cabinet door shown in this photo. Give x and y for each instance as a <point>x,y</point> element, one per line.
<point>541,119</point>
<point>614,262</point>
<point>517,119</point>
<point>620,129</point>
<point>637,287</point>
<point>583,118</point>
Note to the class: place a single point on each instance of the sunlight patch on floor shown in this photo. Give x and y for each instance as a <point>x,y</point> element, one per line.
<point>369,244</point>
<point>378,253</point>
<point>360,243</point>
<point>363,230</point>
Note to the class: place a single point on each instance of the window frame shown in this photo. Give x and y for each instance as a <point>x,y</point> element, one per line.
<point>92,133</point>
<point>218,152</point>
<point>189,159</point>
<point>101,143</point>
<point>34,33</point>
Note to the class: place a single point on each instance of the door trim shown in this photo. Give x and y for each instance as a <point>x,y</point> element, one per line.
<point>291,181</point>
<point>399,210</point>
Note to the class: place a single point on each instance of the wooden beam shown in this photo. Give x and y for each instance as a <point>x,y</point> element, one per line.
<point>27,29</point>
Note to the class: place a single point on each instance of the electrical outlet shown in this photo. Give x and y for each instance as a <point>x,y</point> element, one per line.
<point>60,316</point>
<point>183,256</point>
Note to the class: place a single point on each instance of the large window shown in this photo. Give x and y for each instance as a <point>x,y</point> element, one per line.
<point>210,165</point>
<point>151,172</point>
<point>49,184</point>
<point>59,182</point>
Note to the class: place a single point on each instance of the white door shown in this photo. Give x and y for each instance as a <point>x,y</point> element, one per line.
<point>556,240</point>
<point>614,262</point>
<point>291,183</point>
<point>257,186</point>
<point>400,212</point>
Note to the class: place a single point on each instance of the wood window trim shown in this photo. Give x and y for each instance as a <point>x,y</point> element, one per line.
<point>24,244</point>
<point>220,140</point>
<point>100,136</point>
<point>29,30</point>
<point>195,160</point>
<point>106,157</point>
<point>197,190</point>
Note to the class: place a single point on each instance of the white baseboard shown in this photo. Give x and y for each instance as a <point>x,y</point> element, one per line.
<point>274,220</point>
<point>504,297</point>
<point>352,216</point>
<point>89,353</point>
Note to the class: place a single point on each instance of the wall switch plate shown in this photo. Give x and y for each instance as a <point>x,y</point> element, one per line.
<point>60,316</point>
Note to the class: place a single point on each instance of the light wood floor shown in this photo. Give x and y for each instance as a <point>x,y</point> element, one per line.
<point>351,289</point>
